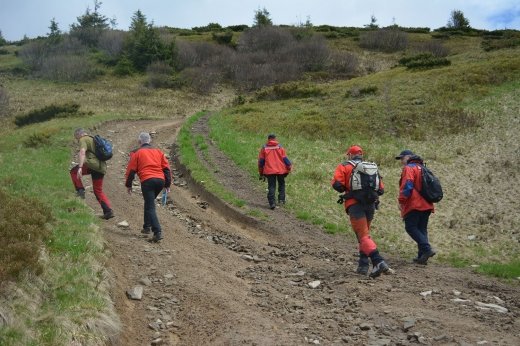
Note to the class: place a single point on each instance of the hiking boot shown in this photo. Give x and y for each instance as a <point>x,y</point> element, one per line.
<point>362,269</point>
<point>146,230</point>
<point>80,193</point>
<point>280,202</point>
<point>378,269</point>
<point>423,259</point>
<point>157,237</point>
<point>108,215</point>
<point>272,206</point>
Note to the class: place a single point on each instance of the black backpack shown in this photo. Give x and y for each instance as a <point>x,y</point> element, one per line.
<point>431,189</point>
<point>103,148</point>
<point>364,182</point>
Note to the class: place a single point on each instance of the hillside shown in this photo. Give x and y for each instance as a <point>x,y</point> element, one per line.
<point>66,272</point>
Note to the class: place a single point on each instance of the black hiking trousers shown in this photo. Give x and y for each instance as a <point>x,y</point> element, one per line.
<point>271,188</point>
<point>151,188</point>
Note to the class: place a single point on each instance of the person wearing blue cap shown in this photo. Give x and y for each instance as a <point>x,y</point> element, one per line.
<point>415,210</point>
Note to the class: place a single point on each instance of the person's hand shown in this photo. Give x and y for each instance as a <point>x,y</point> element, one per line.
<point>400,206</point>
<point>129,190</point>
<point>80,173</point>
<point>167,190</point>
<point>261,177</point>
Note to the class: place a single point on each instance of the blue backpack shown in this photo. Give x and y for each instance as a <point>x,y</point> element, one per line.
<point>103,148</point>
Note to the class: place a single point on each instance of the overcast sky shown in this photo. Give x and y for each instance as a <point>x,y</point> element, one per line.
<point>32,17</point>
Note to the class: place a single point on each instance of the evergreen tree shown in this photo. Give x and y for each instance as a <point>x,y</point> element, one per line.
<point>262,18</point>
<point>55,33</point>
<point>2,39</point>
<point>144,45</point>
<point>90,25</point>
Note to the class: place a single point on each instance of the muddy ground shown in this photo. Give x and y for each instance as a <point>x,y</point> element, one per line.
<point>221,277</point>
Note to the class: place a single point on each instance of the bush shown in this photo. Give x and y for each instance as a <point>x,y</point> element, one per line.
<point>68,68</point>
<point>124,67</point>
<point>343,63</point>
<point>4,102</point>
<point>201,79</point>
<point>359,92</point>
<point>266,39</point>
<point>436,48</point>
<point>160,75</point>
<point>22,237</point>
<point>384,40</point>
<point>500,39</point>
<point>223,38</point>
<point>47,113</point>
<point>111,43</point>
<point>39,139</point>
<point>237,28</point>
<point>423,61</point>
<point>4,51</point>
<point>288,91</point>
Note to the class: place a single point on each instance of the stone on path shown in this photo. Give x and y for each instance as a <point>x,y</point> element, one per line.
<point>135,293</point>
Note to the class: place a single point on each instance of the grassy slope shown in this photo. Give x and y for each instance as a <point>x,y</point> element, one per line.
<point>463,119</point>
<point>70,298</point>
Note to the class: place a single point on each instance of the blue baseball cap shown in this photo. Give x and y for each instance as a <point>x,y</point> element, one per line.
<point>404,153</point>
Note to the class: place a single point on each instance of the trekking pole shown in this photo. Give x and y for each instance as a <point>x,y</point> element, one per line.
<point>164,197</point>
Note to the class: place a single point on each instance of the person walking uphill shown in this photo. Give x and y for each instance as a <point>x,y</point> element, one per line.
<point>274,165</point>
<point>151,166</point>
<point>90,164</point>
<point>362,185</point>
<point>415,210</point>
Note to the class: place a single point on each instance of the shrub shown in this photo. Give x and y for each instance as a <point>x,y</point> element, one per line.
<point>4,101</point>
<point>223,38</point>
<point>288,91</point>
<point>160,75</point>
<point>68,68</point>
<point>4,51</point>
<point>111,43</point>
<point>237,28</point>
<point>201,79</point>
<point>500,39</point>
<point>47,113</point>
<point>343,63</point>
<point>423,61</point>
<point>39,139</point>
<point>436,48</point>
<point>359,92</point>
<point>267,39</point>
<point>22,237</point>
<point>385,40</point>
<point>124,67</point>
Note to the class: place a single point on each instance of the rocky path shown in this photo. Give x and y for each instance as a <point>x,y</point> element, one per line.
<point>221,278</point>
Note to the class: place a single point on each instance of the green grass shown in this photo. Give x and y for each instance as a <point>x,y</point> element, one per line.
<point>68,285</point>
<point>506,271</point>
<point>187,143</point>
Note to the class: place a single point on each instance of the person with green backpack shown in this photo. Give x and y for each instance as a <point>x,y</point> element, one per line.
<point>89,163</point>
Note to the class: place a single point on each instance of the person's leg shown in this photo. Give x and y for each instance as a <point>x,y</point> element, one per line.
<point>151,189</point>
<point>412,222</point>
<point>271,188</point>
<point>427,250</point>
<point>97,183</point>
<point>78,184</point>
<point>281,188</point>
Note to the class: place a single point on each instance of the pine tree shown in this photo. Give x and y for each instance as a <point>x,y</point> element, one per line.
<point>262,18</point>
<point>90,25</point>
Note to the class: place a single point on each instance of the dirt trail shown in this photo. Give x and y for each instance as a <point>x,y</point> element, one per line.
<point>218,279</point>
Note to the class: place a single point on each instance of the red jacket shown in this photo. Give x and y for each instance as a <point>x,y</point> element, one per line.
<point>409,186</point>
<point>273,160</point>
<point>148,162</point>
<point>341,182</point>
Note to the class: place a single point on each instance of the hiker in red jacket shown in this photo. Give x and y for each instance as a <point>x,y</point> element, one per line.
<point>415,210</point>
<point>151,166</point>
<point>90,164</point>
<point>362,191</point>
<point>274,165</point>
